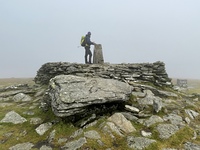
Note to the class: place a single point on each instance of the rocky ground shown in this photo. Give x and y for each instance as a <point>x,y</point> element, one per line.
<point>106,114</point>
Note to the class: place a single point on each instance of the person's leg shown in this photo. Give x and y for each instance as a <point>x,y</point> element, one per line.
<point>86,54</point>
<point>90,56</point>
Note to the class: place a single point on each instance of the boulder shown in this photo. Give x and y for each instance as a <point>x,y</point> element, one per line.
<point>71,95</point>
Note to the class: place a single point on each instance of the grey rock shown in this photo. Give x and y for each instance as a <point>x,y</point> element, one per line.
<point>28,112</point>
<point>6,104</point>
<point>146,134</point>
<point>21,97</point>
<point>90,124</point>
<point>35,121</point>
<point>192,113</point>
<point>166,130</point>
<point>100,142</point>
<point>129,116</point>
<point>191,146</point>
<point>174,119</point>
<point>77,133</point>
<point>43,128</point>
<point>139,94</point>
<point>139,143</point>
<point>44,147</point>
<point>131,108</point>
<point>22,146</point>
<point>113,128</point>
<point>84,122</point>
<point>51,136</point>
<point>152,100</point>
<point>74,145</point>
<point>62,140</point>
<point>152,120</point>
<point>169,149</point>
<point>122,123</point>
<point>187,120</point>
<point>92,134</point>
<point>157,104</point>
<point>13,117</point>
<point>71,94</point>
<point>166,94</point>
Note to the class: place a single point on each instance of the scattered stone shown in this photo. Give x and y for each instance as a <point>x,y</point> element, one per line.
<point>187,120</point>
<point>90,124</point>
<point>100,142</point>
<point>22,146</point>
<point>157,104</point>
<point>169,149</point>
<point>152,120</point>
<point>21,97</point>
<point>51,136</point>
<point>92,135</point>
<point>139,94</point>
<point>148,99</point>
<point>43,128</point>
<point>74,145</point>
<point>131,108</point>
<point>166,130</point>
<point>13,117</point>
<point>62,140</point>
<point>5,104</point>
<point>77,133</point>
<point>191,146</point>
<point>129,116</point>
<point>122,123</point>
<point>146,134</point>
<point>174,119</point>
<point>139,143</point>
<point>28,112</point>
<point>192,113</point>
<point>113,128</point>
<point>44,147</point>
<point>35,121</point>
<point>84,122</point>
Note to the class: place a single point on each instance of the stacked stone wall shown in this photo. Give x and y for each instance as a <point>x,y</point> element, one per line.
<point>141,72</point>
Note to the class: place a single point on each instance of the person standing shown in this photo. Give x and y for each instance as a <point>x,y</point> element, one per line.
<point>87,48</point>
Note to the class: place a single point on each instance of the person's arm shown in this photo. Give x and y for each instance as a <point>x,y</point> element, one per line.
<point>89,42</point>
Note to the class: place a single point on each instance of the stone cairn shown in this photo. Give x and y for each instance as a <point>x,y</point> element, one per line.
<point>142,72</point>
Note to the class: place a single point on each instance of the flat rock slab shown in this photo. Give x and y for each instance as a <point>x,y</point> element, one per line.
<point>22,146</point>
<point>72,94</point>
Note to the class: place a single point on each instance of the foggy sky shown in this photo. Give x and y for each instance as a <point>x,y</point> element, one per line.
<point>35,32</point>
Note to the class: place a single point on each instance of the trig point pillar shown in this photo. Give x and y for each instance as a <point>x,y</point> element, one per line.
<point>98,54</point>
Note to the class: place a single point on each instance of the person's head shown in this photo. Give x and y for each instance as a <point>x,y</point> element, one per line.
<point>89,33</point>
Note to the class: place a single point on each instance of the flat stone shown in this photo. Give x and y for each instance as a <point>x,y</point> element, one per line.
<point>43,128</point>
<point>22,146</point>
<point>166,130</point>
<point>131,108</point>
<point>139,143</point>
<point>92,134</point>
<point>71,94</point>
<point>74,145</point>
<point>13,117</point>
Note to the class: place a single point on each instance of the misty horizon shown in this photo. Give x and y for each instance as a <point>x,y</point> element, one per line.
<point>33,33</point>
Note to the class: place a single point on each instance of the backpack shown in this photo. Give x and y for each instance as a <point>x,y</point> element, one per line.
<point>83,41</point>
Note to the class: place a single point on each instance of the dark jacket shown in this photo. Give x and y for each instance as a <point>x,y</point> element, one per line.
<point>88,42</point>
